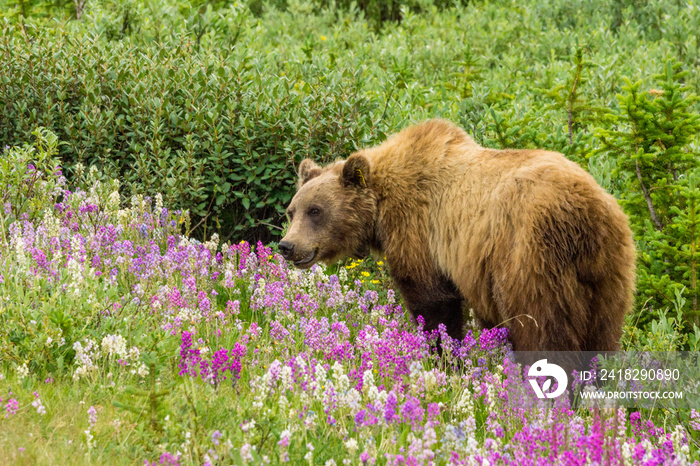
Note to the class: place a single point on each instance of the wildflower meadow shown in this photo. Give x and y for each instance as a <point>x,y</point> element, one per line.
<point>127,342</point>
<point>148,150</point>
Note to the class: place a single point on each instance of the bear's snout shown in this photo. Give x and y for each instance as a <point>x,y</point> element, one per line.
<point>286,249</point>
<point>297,253</point>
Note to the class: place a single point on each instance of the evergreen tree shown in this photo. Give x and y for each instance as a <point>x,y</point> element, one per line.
<point>653,145</point>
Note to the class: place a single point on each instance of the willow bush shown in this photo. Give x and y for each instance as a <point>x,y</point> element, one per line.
<point>220,137</point>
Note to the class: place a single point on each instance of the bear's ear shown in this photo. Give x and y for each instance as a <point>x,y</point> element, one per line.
<point>356,171</point>
<point>307,170</point>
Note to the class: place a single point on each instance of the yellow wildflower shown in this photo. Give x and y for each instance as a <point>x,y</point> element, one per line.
<point>323,37</point>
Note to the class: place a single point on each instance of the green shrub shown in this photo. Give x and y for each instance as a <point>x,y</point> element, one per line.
<point>27,182</point>
<point>44,10</point>
<point>218,136</point>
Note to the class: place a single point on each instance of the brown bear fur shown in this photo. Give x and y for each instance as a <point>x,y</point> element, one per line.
<point>526,238</point>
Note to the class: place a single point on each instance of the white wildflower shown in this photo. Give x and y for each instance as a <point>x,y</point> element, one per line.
<point>22,371</point>
<point>309,456</point>
<point>123,216</point>
<point>247,452</point>
<point>76,276</point>
<point>76,248</point>
<point>114,345</point>
<point>84,358</point>
<point>283,402</point>
<point>465,403</point>
<point>343,275</point>
<point>213,243</point>
<point>51,224</point>
<point>286,380</point>
<point>627,452</point>
<point>351,445</point>
<point>372,393</point>
<point>134,353</point>
<point>248,426</point>
<point>143,370</point>
<point>39,407</point>
<point>342,381</point>
<point>351,399</point>
<point>286,435</point>
<point>159,203</point>
<point>677,436</point>
<point>20,258</point>
<point>113,201</point>
<point>367,381</point>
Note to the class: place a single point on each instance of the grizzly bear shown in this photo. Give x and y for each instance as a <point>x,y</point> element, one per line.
<point>526,238</point>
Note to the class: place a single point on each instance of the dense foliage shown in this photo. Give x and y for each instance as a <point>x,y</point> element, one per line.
<point>219,137</point>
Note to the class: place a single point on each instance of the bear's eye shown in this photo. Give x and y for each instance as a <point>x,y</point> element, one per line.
<point>314,211</point>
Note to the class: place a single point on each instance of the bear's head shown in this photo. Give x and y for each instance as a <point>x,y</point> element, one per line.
<point>332,214</point>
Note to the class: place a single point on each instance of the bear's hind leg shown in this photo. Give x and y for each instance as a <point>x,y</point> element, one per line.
<point>438,303</point>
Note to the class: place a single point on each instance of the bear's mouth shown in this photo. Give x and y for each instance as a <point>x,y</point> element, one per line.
<point>308,260</point>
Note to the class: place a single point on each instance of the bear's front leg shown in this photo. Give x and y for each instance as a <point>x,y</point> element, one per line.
<point>438,301</point>
<point>483,324</point>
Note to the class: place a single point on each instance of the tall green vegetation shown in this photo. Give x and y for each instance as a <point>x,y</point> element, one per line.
<point>655,145</point>
<point>42,9</point>
<point>217,137</point>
